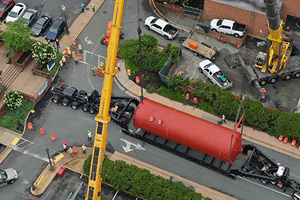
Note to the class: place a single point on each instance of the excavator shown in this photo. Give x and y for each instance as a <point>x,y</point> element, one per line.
<point>102,119</point>
<point>279,52</point>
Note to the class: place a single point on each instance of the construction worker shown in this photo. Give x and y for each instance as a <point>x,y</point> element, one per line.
<point>61,63</point>
<point>83,148</point>
<point>89,136</point>
<point>65,146</point>
<point>69,52</point>
<point>223,119</point>
<point>82,8</point>
<point>93,7</point>
<point>76,60</point>
<point>70,151</point>
<point>80,48</point>
<point>63,58</point>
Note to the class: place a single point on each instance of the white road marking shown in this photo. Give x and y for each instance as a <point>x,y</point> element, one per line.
<point>115,195</point>
<point>84,57</point>
<point>264,186</point>
<point>129,144</point>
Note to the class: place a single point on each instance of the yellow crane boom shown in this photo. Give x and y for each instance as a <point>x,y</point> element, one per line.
<point>103,118</point>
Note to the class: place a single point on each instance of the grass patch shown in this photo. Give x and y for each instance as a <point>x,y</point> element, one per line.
<point>55,67</point>
<point>15,119</point>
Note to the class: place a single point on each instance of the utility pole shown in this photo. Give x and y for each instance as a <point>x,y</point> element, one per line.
<point>63,8</point>
<point>50,162</point>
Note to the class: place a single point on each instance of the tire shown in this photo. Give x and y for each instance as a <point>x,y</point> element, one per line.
<point>166,37</point>
<point>65,102</point>
<point>214,30</point>
<point>201,71</point>
<point>274,182</point>
<point>263,82</point>
<point>147,27</point>
<point>55,99</point>
<point>102,40</point>
<point>12,181</point>
<point>82,92</point>
<point>296,75</point>
<point>264,182</point>
<point>272,80</point>
<point>74,105</point>
<point>121,35</point>
<point>85,108</point>
<point>130,109</point>
<point>120,105</point>
<point>236,35</point>
<point>287,77</point>
<point>92,111</point>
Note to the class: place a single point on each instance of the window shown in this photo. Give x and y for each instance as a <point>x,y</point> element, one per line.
<point>13,14</point>
<point>2,9</point>
<point>225,27</point>
<point>219,22</point>
<point>156,26</point>
<point>153,20</point>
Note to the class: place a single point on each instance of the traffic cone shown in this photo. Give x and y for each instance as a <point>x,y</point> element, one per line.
<point>30,126</point>
<point>79,57</point>
<point>280,138</point>
<point>286,139</point>
<point>238,46</point>
<point>42,131</point>
<point>53,137</point>
<point>293,142</point>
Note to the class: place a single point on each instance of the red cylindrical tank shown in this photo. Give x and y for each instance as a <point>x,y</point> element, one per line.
<point>188,130</point>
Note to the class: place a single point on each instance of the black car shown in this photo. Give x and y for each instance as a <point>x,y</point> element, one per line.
<point>41,26</point>
<point>56,30</point>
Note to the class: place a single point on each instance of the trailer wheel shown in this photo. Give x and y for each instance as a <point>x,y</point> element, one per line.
<point>263,82</point>
<point>272,79</point>
<point>264,182</point>
<point>130,109</point>
<point>297,75</point>
<point>85,108</point>
<point>65,102</point>
<point>74,105</point>
<point>287,77</point>
<point>92,110</point>
<point>82,92</point>
<point>55,99</point>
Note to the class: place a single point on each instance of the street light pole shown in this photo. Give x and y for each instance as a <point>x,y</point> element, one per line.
<point>63,8</point>
<point>50,162</point>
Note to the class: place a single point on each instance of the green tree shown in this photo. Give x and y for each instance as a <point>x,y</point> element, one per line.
<point>43,52</point>
<point>17,36</point>
<point>13,99</point>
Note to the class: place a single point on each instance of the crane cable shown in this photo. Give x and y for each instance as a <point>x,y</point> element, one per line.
<point>139,31</point>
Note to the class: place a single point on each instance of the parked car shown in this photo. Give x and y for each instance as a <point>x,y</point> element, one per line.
<point>7,176</point>
<point>5,7</point>
<point>30,16</point>
<point>162,27</point>
<point>214,74</point>
<point>42,25</point>
<point>56,30</point>
<point>228,27</point>
<point>16,12</point>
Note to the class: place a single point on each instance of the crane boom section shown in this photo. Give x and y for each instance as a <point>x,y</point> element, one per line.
<point>103,118</point>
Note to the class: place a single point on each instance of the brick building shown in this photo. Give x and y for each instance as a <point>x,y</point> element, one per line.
<point>252,13</point>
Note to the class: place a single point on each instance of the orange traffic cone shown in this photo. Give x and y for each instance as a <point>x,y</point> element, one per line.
<point>53,137</point>
<point>42,131</point>
<point>79,57</point>
<point>74,150</point>
<point>30,126</point>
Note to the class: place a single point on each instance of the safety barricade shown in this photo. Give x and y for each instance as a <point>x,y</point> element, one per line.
<point>293,143</point>
<point>286,139</point>
<point>280,138</point>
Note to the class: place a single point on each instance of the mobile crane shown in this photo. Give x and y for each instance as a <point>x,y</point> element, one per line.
<point>277,63</point>
<point>103,118</point>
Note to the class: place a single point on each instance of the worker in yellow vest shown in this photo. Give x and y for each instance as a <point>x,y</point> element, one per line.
<point>80,48</point>
<point>64,59</point>
<point>89,136</point>
<point>83,148</point>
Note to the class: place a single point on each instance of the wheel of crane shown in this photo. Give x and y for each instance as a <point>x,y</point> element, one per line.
<point>74,105</point>
<point>82,92</point>
<point>65,101</point>
<point>85,108</point>
<point>272,79</point>
<point>55,99</point>
<point>92,110</point>
<point>296,75</point>
<point>263,82</point>
<point>287,77</point>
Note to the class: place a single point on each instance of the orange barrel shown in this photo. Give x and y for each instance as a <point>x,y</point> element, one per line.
<point>195,101</point>
<point>30,126</point>
<point>79,57</point>
<point>73,54</point>
<point>42,131</point>
<point>293,142</point>
<point>66,51</point>
<point>74,150</point>
<point>137,80</point>
<point>74,43</point>
<point>187,96</point>
<point>280,138</point>
<point>286,139</point>
<point>53,137</point>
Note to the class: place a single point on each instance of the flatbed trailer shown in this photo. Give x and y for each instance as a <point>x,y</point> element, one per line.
<point>202,49</point>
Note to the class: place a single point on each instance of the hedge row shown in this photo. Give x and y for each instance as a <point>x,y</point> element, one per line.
<point>141,183</point>
<point>14,119</point>
<point>220,102</point>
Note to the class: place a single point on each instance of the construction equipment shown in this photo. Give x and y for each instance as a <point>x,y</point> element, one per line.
<point>276,63</point>
<point>105,40</point>
<point>103,118</point>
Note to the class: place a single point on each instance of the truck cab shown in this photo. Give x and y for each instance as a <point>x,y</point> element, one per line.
<point>214,74</point>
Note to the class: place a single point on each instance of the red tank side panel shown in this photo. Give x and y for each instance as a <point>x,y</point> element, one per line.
<point>188,130</point>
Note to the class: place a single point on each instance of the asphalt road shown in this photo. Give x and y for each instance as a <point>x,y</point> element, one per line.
<point>72,125</point>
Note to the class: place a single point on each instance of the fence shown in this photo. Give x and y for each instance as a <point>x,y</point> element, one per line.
<point>165,70</point>
<point>195,12</point>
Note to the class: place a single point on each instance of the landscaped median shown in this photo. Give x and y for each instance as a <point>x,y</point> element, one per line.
<point>141,183</point>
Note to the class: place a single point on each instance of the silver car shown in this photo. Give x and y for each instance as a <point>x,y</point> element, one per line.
<point>30,16</point>
<point>7,176</point>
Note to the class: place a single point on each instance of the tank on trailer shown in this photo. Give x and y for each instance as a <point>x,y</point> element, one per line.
<point>188,130</point>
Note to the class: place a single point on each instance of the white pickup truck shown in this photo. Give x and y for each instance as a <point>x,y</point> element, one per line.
<point>214,74</point>
<point>228,27</point>
<point>160,26</point>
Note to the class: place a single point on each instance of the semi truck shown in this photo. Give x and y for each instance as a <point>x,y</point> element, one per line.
<point>208,144</point>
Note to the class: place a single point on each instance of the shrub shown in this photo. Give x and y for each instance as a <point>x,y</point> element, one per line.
<point>13,99</point>
<point>148,78</point>
<point>43,52</point>
<point>140,182</point>
<point>14,119</point>
<point>150,89</point>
